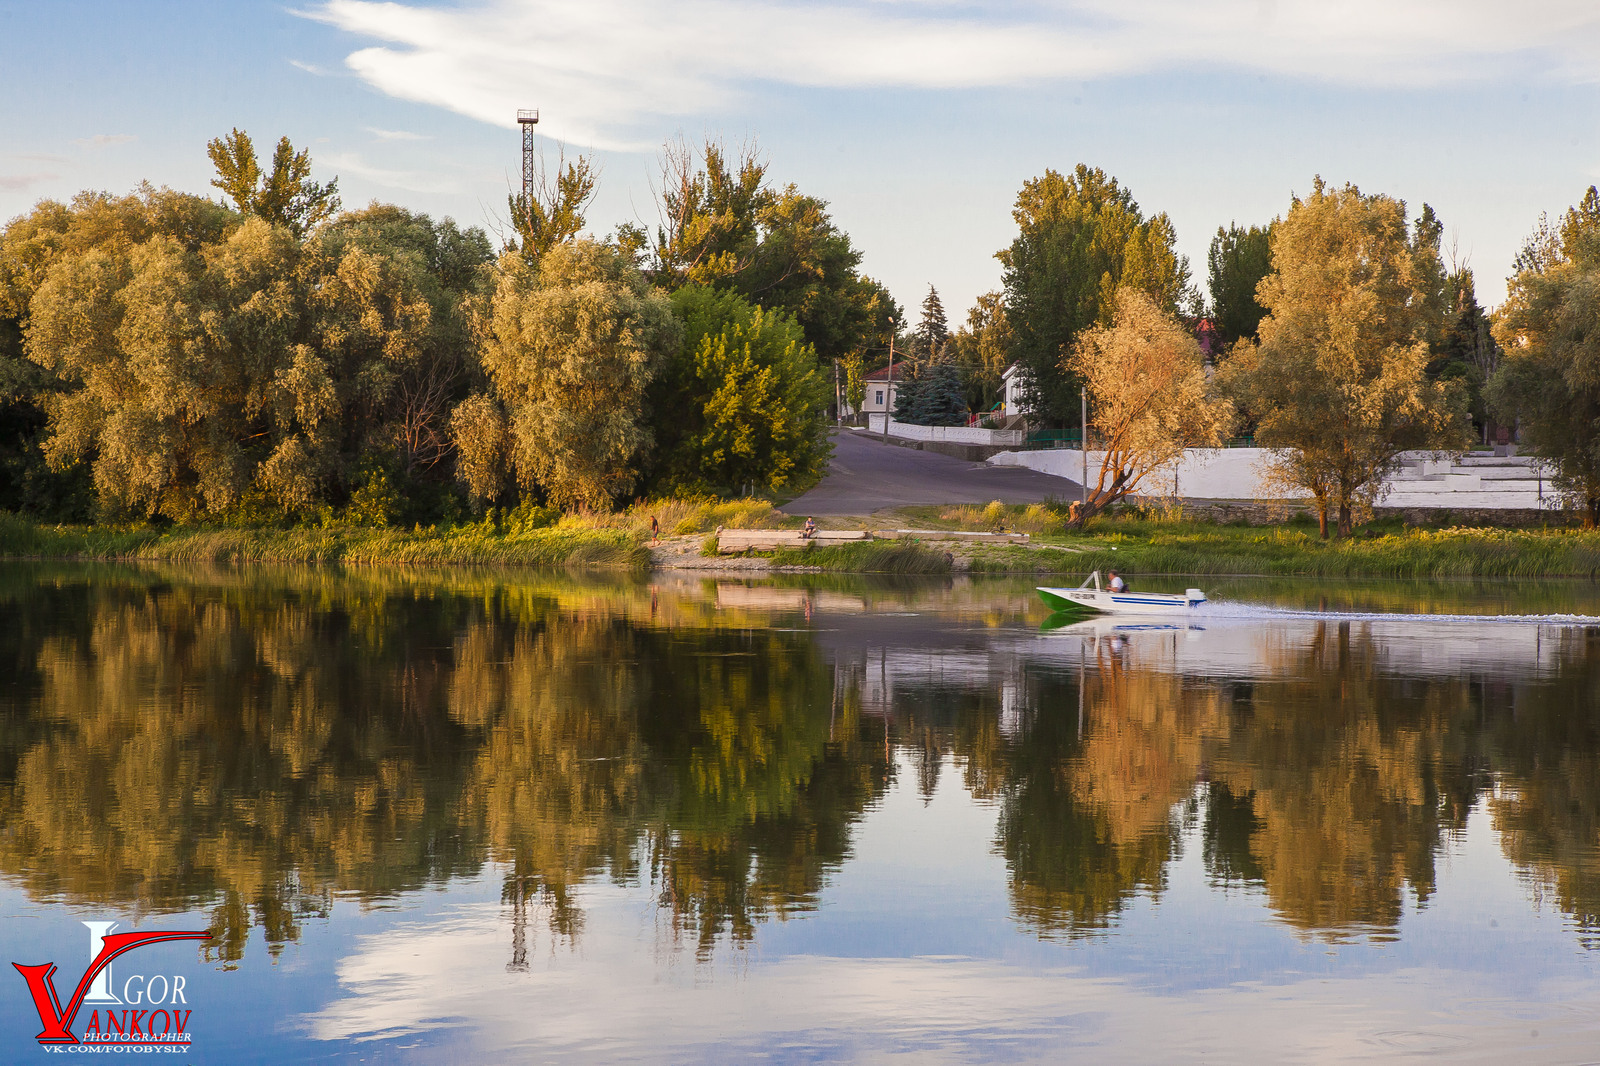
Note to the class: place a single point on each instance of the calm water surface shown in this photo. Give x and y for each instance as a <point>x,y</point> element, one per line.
<point>484,817</point>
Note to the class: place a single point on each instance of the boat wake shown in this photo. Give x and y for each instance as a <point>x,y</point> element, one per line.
<point>1230,611</point>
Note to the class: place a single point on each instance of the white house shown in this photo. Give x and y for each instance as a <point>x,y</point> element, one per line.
<point>880,390</point>
<point>1012,384</point>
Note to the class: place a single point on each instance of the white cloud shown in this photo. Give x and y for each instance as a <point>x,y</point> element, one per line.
<point>409,180</point>
<point>104,140</point>
<point>606,70</point>
<point>397,135</point>
<point>614,1000</point>
<point>309,68</point>
<point>18,182</point>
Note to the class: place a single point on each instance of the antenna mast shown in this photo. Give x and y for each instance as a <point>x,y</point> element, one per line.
<point>527,120</point>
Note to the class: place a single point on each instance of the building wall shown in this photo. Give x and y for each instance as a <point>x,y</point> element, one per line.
<point>1425,480</point>
<point>871,403</point>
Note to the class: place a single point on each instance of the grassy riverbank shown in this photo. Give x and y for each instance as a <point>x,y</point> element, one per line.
<point>523,537</point>
<point>867,557</point>
<point>533,537</point>
<point>354,545</point>
<point>1178,547</point>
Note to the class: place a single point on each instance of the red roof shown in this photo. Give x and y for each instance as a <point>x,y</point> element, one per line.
<point>882,373</point>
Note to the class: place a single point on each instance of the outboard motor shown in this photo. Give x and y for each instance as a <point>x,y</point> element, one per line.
<point>1194,597</point>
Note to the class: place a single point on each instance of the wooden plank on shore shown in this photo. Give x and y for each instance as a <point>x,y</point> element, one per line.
<point>733,541</point>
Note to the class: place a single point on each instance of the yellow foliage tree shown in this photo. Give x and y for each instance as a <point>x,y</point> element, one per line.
<point>1148,394</point>
<point>1337,383</point>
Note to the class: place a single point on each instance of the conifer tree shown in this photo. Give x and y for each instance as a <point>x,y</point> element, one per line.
<point>932,333</point>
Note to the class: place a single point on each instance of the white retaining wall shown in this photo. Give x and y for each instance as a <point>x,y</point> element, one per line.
<point>947,434</point>
<point>1203,473</point>
<point>1424,479</point>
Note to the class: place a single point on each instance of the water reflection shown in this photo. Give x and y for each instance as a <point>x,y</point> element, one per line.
<point>257,745</point>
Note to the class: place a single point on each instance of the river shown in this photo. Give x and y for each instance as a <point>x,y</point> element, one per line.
<point>484,816</point>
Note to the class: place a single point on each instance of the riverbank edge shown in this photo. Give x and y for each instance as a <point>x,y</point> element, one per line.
<point>1143,548</point>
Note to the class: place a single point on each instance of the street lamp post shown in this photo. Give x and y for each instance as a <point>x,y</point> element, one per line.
<point>888,405</point>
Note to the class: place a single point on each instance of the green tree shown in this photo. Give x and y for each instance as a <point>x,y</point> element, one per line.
<point>723,224</point>
<point>1549,378</point>
<point>934,398</point>
<point>1239,258</point>
<point>983,350</point>
<point>932,333</point>
<point>855,385</point>
<point>741,403</point>
<point>1467,351</point>
<point>451,269</point>
<point>191,358</point>
<point>1082,237</point>
<point>570,345</point>
<point>554,212</point>
<point>1337,383</point>
<point>283,195</point>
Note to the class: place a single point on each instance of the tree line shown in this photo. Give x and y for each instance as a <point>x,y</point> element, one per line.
<point>272,357</point>
<point>1337,335</point>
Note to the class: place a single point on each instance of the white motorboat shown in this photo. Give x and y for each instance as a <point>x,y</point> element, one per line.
<point>1091,596</point>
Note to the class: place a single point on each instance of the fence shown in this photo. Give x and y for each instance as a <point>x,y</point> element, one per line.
<point>1002,438</point>
<point>1042,439</point>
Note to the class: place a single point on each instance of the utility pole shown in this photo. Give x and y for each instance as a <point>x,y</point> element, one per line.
<point>889,392</point>
<point>838,407</point>
<point>527,120</point>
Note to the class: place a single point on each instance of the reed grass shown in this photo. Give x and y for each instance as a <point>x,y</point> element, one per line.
<point>867,557</point>
<point>562,544</point>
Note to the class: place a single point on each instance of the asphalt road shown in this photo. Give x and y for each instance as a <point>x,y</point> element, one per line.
<point>867,475</point>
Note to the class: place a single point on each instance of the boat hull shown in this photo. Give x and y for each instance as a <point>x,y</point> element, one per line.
<point>1120,602</point>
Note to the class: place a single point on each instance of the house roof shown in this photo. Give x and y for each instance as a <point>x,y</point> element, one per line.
<point>882,373</point>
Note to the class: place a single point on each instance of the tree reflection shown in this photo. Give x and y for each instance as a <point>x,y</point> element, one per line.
<point>1547,749</point>
<point>261,745</point>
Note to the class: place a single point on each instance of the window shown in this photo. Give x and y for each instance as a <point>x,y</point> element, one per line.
<point>879,400</point>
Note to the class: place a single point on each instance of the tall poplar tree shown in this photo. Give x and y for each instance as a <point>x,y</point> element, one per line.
<point>1239,258</point>
<point>1082,237</point>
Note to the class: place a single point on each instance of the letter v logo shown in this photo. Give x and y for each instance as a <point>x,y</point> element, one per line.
<point>57,1022</point>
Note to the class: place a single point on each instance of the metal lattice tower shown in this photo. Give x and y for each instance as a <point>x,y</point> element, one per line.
<point>527,120</point>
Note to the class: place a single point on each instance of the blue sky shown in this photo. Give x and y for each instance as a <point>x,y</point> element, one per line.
<point>916,119</point>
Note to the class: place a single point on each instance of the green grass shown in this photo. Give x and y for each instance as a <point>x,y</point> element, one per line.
<point>867,557</point>
<point>562,544</point>
<point>619,541</point>
<point>1195,548</point>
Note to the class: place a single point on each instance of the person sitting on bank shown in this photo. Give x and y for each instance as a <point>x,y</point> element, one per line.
<point>1116,584</point>
<point>810,530</point>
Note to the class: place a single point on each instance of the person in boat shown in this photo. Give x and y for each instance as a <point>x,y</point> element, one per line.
<point>1115,582</point>
<point>809,531</point>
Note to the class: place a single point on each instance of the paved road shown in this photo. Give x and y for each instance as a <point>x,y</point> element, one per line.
<point>868,475</point>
